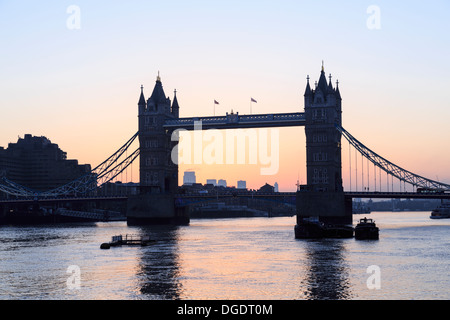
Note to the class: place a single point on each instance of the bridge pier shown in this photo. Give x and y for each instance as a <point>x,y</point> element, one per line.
<point>155,209</point>
<point>328,207</point>
<point>3,211</point>
<point>323,214</point>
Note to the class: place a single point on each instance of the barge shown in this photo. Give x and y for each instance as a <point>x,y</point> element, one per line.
<point>366,229</point>
<point>127,240</point>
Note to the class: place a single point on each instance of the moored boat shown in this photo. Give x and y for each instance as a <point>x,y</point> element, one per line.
<point>309,230</point>
<point>127,240</point>
<point>366,229</point>
<point>441,212</point>
<point>314,229</point>
<point>339,231</point>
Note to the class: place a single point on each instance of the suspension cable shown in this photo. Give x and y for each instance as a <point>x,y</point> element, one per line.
<point>391,168</point>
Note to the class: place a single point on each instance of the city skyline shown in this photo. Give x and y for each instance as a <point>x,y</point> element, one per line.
<point>80,86</point>
<point>189,178</point>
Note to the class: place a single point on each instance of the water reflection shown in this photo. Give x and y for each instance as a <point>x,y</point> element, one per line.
<point>327,272</point>
<point>159,266</point>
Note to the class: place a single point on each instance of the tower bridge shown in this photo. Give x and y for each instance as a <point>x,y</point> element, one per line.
<point>323,196</point>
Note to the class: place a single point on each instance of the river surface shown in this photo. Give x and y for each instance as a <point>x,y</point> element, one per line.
<point>245,258</point>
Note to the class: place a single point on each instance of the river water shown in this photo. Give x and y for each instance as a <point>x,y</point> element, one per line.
<point>245,258</point>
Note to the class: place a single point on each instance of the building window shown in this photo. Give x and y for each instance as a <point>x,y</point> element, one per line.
<point>320,137</point>
<point>319,114</point>
<point>320,176</point>
<point>151,143</point>
<point>150,120</point>
<point>151,161</point>
<point>320,156</point>
<point>151,178</point>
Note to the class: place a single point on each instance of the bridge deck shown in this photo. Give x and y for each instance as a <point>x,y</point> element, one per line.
<point>397,195</point>
<point>351,194</point>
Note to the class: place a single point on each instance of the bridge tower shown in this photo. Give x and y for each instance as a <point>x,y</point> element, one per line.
<point>323,196</point>
<point>158,171</point>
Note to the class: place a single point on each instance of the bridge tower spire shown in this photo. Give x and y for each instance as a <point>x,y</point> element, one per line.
<point>141,102</point>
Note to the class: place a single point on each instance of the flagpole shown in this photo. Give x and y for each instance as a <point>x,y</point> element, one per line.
<point>251,104</point>
<point>215,102</point>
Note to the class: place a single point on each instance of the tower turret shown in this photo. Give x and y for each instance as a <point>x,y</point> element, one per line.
<point>175,106</point>
<point>308,93</point>
<point>141,102</point>
<point>158,102</point>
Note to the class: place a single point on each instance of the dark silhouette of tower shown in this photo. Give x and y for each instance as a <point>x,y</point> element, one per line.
<point>155,203</point>
<point>158,173</point>
<point>323,142</point>
<point>323,196</point>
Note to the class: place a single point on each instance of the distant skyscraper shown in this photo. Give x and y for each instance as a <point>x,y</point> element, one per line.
<point>275,187</point>
<point>189,178</point>
<point>242,184</point>
<point>212,181</point>
<point>222,183</point>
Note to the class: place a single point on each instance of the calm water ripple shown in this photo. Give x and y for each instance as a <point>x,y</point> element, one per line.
<point>249,258</point>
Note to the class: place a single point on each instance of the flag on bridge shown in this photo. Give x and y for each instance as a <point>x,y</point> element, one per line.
<point>215,102</point>
<point>253,100</point>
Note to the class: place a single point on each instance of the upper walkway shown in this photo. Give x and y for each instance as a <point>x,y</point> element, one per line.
<point>236,121</point>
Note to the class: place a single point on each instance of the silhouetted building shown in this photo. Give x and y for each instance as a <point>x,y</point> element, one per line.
<point>242,184</point>
<point>222,183</point>
<point>39,164</point>
<point>2,161</point>
<point>267,188</point>
<point>189,178</point>
<point>212,181</point>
